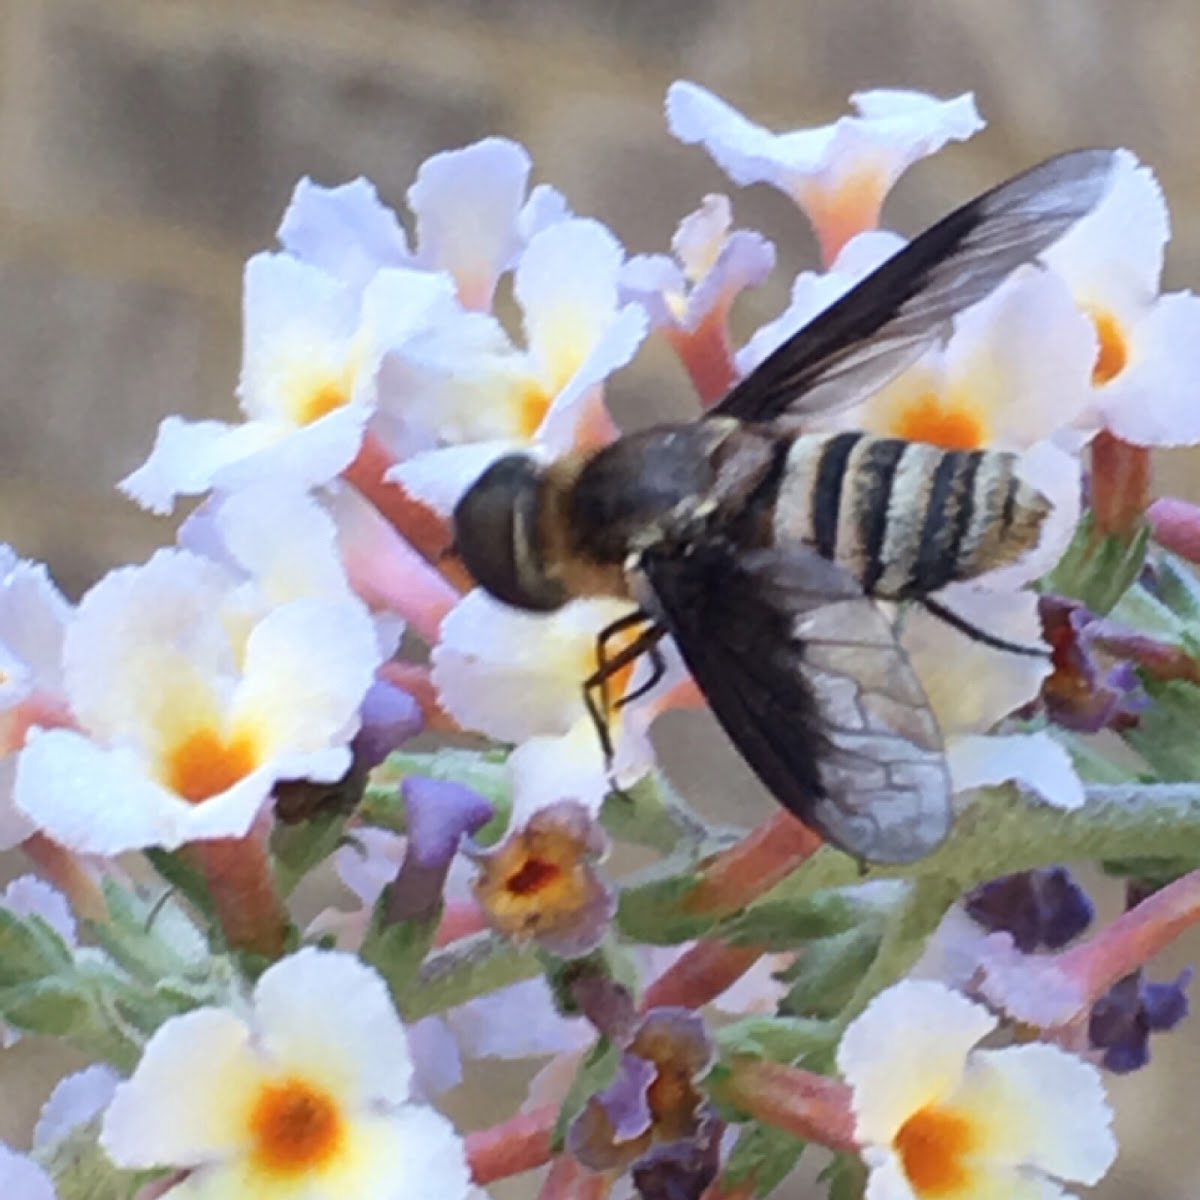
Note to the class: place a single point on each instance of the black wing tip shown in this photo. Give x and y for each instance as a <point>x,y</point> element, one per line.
<point>1073,183</point>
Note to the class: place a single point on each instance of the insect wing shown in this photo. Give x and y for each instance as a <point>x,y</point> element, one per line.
<point>806,676</point>
<point>885,323</point>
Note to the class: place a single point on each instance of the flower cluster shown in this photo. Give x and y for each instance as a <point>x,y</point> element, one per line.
<point>238,714</point>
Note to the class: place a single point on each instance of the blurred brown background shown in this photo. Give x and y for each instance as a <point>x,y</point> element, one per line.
<point>148,146</point>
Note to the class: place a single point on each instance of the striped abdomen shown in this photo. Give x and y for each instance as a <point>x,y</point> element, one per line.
<point>905,518</point>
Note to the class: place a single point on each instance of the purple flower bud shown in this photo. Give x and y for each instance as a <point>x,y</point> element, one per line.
<point>390,716</point>
<point>680,1170</point>
<point>1081,694</point>
<point>1123,1019</point>
<point>439,815</point>
<point>1040,909</point>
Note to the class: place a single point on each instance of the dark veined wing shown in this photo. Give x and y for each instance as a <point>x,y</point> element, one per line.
<point>884,324</point>
<point>806,676</point>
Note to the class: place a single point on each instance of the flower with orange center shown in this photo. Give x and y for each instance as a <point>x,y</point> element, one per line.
<point>518,677</point>
<point>191,702</point>
<point>541,882</point>
<point>940,1119</point>
<point>310,380</point>
<point>1148,342</point>
<point>475,395</point>
<point>1015,371</point>
<point>306,1095</point>
<point>838,174</point>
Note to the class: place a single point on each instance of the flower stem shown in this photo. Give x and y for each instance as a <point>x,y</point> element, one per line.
<point>66,872</point>
<point>238,871</point>
<point>1134,937</point>
<point>521,1143</point>
<point>420,526</point>
<point>707,355</point>
<point>1120,485</point>
<point>700,974</point>
<point>812,1107</point>
<point>741,874</point>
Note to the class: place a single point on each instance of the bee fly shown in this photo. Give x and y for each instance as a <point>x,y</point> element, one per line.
<point>761,549</point>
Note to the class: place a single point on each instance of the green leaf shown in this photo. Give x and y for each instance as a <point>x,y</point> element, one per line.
<point>826,975</point>
<point>297,849</point>
<point>397,950</point>
<point>1098,571</point>
<point>1166,733</point>
<point>1177,587</point>
<point>470,967</point>
<point>1153,872</point>
<point>846,1177</point>
<point>29,949</point>
<point>651,814</point>
<point>781,1039</point>
<point>596,1071</point>
<point>184,878</point>
<point>762,1156</point>
<point>784,925</point>
<point>82,1171</point>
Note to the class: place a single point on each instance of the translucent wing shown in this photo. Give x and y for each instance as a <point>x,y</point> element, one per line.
<point>885,323</point>
<point>806,676</point>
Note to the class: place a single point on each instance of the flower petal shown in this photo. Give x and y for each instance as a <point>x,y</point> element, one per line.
<point>22,1178</point>
<point>75,1100</point>
<point>1042,1107</point>
<point>153,1121</point>
<point>971,686</point>
<point>907,1049</point>
<point>467,204</point>
<point>346,231</point>
<point>362,1057</point>
<point>1033,760</point>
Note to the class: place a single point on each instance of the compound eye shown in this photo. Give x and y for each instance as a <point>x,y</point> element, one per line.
<point>496,532</point>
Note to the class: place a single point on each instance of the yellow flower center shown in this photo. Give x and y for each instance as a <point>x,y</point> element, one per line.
<point>933,1145</point>
<point>928,418</point>
<point>533,404</point>
<point>203,763</point>
<point>534,882</point>
<point>327,396</point>
<point>294,1128</point>
<point>1113,354</point>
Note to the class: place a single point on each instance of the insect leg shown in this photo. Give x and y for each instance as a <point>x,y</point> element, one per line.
<point>599,708</point>
<point>979,635</point>
<point>658,668</point>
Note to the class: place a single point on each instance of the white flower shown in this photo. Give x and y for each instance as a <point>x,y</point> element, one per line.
<point>838,174</point>
<point>313,348</point>
<point>187,712</point>
<point>482,397</point>
<point>33,619</point>
<point>308,1096</point>
<point>519,677</point>
<point>473,220</point>
<point>1148,360</point>
<point>22,1179</point>
<point>940,1119</point>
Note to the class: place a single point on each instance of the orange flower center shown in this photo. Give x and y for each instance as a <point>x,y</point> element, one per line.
<point>950,426</point>
<point>534,882</point>
<point>294,1128</point>
<point>204,764</point>
<point>321,401</point>
<point>932,1145</point>
<point>531,876</point>
<point>1113,354</point>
